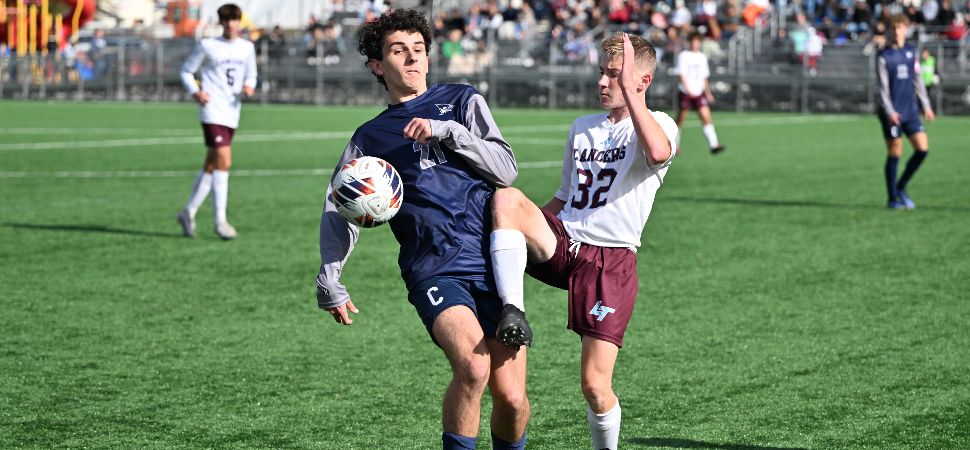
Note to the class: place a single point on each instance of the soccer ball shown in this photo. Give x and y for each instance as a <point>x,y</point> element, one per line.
<point>367,191</point>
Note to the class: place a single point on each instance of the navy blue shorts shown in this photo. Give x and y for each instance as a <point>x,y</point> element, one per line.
<point>436,294</point>
<point>907,126</point>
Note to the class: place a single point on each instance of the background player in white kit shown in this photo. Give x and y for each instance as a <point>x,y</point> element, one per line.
<point>695,91</point>
<point>585,239</point>
<point>228,69</point>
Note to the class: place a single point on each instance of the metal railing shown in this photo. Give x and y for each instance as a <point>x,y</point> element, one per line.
<point>755,75</point>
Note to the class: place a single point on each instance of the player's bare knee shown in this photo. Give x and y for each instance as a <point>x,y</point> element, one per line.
<point>506,205</point>
<point>596,392</point>
<point>513,401</point>
<point>471,371</point>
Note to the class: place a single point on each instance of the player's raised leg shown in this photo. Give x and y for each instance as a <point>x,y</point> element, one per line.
<point>510,404</point>
<point>222,160</point>
<point>603,411</point>
<point>921,146</point>
<point>520,234</point>
<point>461,338</point>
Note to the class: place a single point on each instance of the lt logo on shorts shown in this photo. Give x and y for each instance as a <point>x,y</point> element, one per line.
<point>601,311</point>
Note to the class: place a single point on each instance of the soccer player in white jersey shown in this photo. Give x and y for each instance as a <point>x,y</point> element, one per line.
<point>228,66</point>
<point>695,91</point>
<point>585,238</point>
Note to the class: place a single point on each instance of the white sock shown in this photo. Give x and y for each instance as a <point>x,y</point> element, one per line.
<point>710,135</point>
<point>220,194</point>
<point>200,190</point>
<point>508,263</point>
<point>605,428</point>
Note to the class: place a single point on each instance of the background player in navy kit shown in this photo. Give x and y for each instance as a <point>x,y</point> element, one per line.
<point>585,239</point>
<point>228,69</point>
<point>902,96</point>
<point>450,155</point>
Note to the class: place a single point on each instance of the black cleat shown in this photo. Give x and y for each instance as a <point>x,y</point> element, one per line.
<point>718,149</point>
<point>513,330</point>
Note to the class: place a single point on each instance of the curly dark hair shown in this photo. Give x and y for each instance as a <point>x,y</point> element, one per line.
<point>371,43</point>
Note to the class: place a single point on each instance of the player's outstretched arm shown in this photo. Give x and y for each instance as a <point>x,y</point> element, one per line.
<point>653,141</point>
<point>337,239</point>
<point>481,145</point>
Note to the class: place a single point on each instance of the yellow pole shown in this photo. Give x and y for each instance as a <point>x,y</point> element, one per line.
<point>32,29</point>
<point>58,28</point>
<point>76,20</point>
<point>3,12</point>
<point>45,25</point>
<point>21,28</point>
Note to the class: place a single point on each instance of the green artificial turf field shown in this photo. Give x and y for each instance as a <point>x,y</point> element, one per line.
<point>781,305</point>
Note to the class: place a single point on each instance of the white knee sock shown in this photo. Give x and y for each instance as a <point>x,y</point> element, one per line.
<point>710,135</point>
<point>508,264</point>
<point>220,194</point>
<point>605,428</point>
<point>200,190</point>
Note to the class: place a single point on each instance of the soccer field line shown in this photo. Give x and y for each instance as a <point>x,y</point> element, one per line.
<point>192,136</point>
<point>191,173</point>
<point>174,140</point>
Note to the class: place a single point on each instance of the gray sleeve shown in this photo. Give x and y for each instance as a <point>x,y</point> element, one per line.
<point>921,94</point>
<point>337,239</point>
<point>482,144</point>
<point>882,75</point>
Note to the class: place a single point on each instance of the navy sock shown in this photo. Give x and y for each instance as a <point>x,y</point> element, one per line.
<point>499,444</point>
<point>892,162</point>
<point>911,166</point>
<point>452,441</point>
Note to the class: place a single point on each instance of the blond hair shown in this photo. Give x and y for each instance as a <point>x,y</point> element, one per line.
<point>644,54</point>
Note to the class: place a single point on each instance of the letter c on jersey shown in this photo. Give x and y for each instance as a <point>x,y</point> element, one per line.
<point>431,297</point>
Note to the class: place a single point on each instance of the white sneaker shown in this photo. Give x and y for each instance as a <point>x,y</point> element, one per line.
<point>188,223</point>
<point>225,231</point>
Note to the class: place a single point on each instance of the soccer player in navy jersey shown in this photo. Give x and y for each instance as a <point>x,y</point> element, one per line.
<point>451,157</point>
<point>902,97</point>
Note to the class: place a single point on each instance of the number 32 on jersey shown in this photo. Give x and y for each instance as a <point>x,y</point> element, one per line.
<point>593,187</point>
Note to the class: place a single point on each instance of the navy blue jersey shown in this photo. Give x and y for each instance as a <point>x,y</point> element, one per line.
<point>900,86</point>
<point>444,223</point>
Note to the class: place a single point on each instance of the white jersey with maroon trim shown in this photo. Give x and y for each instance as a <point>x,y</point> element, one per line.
<point>693,67</point>
<point>607,182</point>
<point>226,66</point>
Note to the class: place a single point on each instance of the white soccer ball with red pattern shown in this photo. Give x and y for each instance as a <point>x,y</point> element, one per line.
<point>368,191</point>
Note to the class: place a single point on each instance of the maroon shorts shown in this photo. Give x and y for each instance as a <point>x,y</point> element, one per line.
<point>601,281</point>
<point>217,135</point>
<point>695,103</point>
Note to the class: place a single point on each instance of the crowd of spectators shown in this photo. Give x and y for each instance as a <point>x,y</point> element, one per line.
<point>568,31</point>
